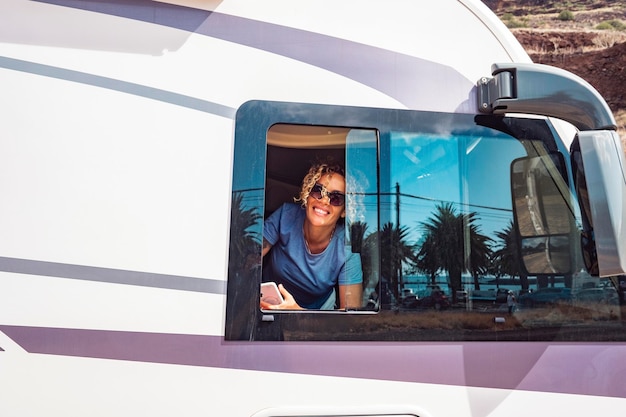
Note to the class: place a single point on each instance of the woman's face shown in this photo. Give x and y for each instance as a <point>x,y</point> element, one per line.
<point>321,212</point>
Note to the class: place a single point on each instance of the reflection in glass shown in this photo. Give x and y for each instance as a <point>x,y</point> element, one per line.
<point>362,209</point>
<point>544,213</point>
<point>547,254</point>
<point>541,197</point>
<point>453,205</point>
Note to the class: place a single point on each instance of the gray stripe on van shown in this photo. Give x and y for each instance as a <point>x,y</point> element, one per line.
<point>112,276</point>
<point>117,85</point>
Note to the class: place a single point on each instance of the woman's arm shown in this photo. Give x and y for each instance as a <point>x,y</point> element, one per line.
<point>266,247</point>
<point>350,296</point>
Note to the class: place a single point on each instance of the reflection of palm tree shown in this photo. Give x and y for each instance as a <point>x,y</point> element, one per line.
<point>244,239</point>
<point>357,232</point>
<point>368,257</point>
<point>245,258</point>
<point>506,260</point>
<point>394,252</point>
<point>444,245</point>
<point>480,252</point>
<point>428,259</point>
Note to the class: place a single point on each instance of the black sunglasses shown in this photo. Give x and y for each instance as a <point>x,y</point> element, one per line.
<point>335,198</point>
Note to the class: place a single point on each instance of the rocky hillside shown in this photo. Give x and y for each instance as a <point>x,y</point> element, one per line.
<point>586,37</point>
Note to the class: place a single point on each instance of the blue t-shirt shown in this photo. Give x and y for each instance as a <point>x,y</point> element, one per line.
<point>310,278</point>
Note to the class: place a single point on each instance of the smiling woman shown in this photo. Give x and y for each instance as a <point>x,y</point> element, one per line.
<point>305,243</point>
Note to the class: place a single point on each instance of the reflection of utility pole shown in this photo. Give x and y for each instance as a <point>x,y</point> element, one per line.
<point>399,266</point>
<point>398,205</point>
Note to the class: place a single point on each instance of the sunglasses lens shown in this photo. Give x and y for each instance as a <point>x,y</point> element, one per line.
<point>316,192</point>
<point>335,198</point>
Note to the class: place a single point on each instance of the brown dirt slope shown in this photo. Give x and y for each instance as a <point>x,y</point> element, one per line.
<point>586,37</point>
<point>604,69</point>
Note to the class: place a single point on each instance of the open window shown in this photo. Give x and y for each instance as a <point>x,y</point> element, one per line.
<point>275,144</point>
<point>291,150</point>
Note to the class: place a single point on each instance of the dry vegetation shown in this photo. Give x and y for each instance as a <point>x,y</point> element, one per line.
<point>586,37</point>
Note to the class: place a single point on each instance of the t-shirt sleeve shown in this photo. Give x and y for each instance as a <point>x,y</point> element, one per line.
<point>271,226</point>
<point>352,268</point>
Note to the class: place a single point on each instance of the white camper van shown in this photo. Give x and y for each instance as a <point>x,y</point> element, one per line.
<point>144,144</point>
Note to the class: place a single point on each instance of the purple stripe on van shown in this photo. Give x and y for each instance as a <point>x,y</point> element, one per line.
<point>536,366</point>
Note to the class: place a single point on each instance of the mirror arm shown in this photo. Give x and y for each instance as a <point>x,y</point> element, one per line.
<point>544,90</point>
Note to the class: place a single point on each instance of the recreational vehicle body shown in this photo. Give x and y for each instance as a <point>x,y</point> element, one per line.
<point>143,143</point>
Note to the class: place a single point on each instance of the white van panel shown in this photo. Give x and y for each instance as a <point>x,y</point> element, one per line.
<point>83,304</point>
<point>111,186</point>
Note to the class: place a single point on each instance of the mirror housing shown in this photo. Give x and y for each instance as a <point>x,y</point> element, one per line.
<point>544,90</point>
<point>600,180</point>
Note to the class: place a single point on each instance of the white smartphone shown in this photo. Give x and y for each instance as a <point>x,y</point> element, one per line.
<point>270,293</point>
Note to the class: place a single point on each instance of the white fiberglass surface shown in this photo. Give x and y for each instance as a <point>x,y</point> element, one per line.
<point>80,304</point>
<point>94,182</point>
<point>412,28</point>
<point>229,73</point>
<point>174,60</point>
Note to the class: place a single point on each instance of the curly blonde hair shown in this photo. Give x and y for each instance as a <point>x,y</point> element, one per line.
<point>317,171</point>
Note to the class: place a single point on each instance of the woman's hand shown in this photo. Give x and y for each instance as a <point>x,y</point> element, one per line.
<point>289,303</point>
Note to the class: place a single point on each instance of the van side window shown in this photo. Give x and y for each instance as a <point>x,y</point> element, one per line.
<point>465,227</point>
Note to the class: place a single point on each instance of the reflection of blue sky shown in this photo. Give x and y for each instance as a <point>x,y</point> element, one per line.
<point>435,158</point>
<point>472,172</point>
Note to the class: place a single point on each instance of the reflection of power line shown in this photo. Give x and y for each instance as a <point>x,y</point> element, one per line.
<point>247,190</point>
<point>433,200</point>
<point>391,202</point>
<point>388,204</point>
<point>457,203</point>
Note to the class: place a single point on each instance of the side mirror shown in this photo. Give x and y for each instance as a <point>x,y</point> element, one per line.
<point>543,213</point>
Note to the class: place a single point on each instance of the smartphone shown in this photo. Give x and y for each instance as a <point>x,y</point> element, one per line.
<point>270,293</point>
